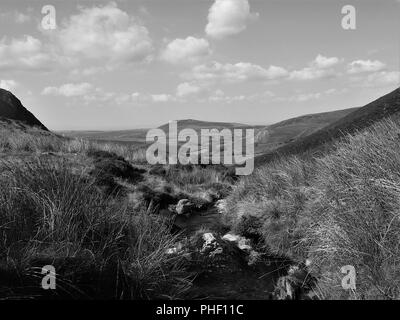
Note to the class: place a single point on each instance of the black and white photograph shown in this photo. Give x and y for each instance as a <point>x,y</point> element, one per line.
<point>194,151</point>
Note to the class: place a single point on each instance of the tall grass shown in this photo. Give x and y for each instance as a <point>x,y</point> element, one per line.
<point>340,209</point>
<point>17,140</point>
<point>101,248</point>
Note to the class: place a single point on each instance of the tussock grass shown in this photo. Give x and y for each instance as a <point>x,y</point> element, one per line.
<point>28,141</point>
<point>100,248</point>
<point>340,209</point>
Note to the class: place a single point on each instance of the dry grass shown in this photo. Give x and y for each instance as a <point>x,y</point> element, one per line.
<point>14,139</point>
<point>100,248</point>
<point>341,209</point>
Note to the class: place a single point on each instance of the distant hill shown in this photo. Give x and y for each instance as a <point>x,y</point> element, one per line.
<point>134,136</point>
<point>281,133</point>
<point>384,107</point>
<point>11,108</point>
<point>138,136</point>
<point>267,138</point>
<point>198,125</point>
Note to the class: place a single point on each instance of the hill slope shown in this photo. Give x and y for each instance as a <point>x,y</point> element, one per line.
<point>384,107</point>
<point>11,108</point>
<point>278,134</point>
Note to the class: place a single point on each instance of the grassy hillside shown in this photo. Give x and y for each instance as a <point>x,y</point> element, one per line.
<point>267,138</point>
<point>386,106</point>
<point>334,210</point>
<point>291,130</point>
<point>93,210</point>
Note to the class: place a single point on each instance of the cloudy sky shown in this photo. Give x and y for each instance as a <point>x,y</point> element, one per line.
<point>130,64</point>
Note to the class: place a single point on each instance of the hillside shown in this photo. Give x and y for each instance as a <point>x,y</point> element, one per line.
<point>361,118</point>
<point>290,130</point>
<point>11,108</point>
<point>267,138</point>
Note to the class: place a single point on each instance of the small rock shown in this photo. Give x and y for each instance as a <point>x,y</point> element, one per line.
<point>244,244</point>
<point>241,242</point>
<point>221,206</point>
<point>210,245</point>
<point>184,206</point>
<point>175,250</point>
<point>231,237</point>
<point>209,242</point>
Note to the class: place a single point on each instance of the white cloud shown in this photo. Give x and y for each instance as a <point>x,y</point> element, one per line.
<point>228,17</point>
<point>189,50</point>
<point>69,90</point>
<point>307,96</point>
<point>162,97</point>
<point>320,67</point>
<point>310,73</point>
<point>242,71</point>
<point>106,34</point>
<point>26,53</point>
<point>360,66</point>
<point>9,85</point>
<point>22,17</point>
<point>185,89</point>
<point>322,62</point>
<point>383,79</point>
<point>88,93</point>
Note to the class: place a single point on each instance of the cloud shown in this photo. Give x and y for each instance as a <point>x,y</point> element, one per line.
<point>322,62</point>
<point>228,17</point>
<point>360,66</point>
<point>16,16</point>
<point>26,53</point>
<point>186,89</point>
<point>88,93</point>
<point>69,90</point>
<point>106,34</point>
<point>21,18</point>
<point>382,79</point>
<point>9,85</point>
<point>162,97</point>
<point>242,71</point>
<point>320,67</point>
<point>189,50</point>
<point>307,96</point>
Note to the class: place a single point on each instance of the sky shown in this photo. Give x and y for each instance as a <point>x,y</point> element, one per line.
<point>113,65</point>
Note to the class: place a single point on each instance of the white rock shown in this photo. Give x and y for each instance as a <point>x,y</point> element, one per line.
<point>231,237</point>
<point>244,244</point>
<point>184,206</point>
<point>174,250</point>
<point>221,206</point>
<point>209,237</point>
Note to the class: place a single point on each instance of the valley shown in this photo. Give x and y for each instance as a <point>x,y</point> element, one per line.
<point>115,227</point>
